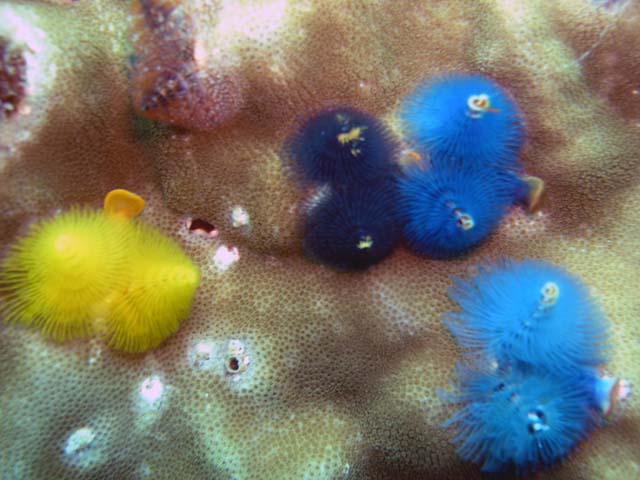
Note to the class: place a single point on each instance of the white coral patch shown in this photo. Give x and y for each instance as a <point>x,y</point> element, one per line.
<point>82,449</point>
<point>231,362</point>
<point>239,217</point>
<point>238,25</point>
<point>202,356</point>
<point>151,390</point>
<point>151,401</point>
<point>225,257</point>
<point>79,440</point>
<point>252,20</point>
<point>19,25</point>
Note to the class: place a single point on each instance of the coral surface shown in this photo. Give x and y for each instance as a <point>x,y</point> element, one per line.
<point>287,369</point>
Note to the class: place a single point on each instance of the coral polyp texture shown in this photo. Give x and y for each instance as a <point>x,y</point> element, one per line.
<point>286,368</point>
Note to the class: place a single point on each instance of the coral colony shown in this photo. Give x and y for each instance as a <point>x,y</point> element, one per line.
<point>438,179</point>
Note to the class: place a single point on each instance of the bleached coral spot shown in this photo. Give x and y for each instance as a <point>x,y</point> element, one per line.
<point>81,449</point>
<point>27,74</point>
<point>225,257</point>
<point>232,362</point>
<point>151,390</point>
<point>202,355</point>
<point>229,358</point>
<point>20,25</point>
<point>239,217</point>
<point>79,440</point>
<point>253,21</point>
<point>150,401</point>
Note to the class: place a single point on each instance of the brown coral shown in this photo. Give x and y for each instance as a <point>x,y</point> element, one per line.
<point>337,373</point>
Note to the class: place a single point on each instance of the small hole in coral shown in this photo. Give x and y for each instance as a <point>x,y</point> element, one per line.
<point>202,227</point>
<point>234,364</point>
<point>198,224</point>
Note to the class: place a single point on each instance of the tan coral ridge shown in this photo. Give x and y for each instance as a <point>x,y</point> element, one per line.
<point>286,369</point>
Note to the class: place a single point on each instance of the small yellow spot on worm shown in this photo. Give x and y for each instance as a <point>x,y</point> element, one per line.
<point>353,135</point>
<point>365,242</point>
